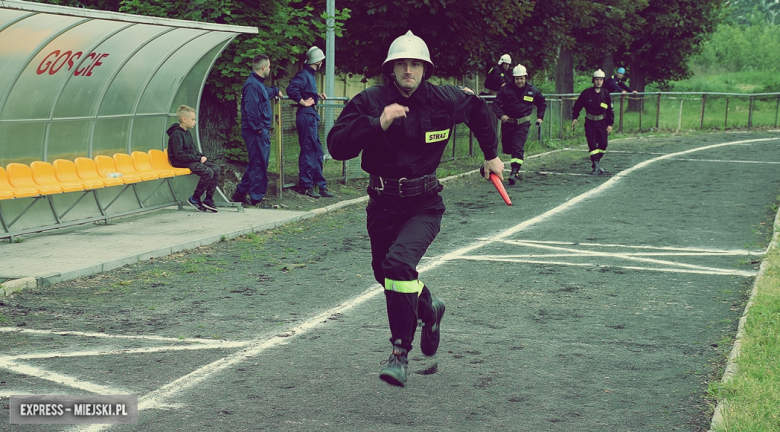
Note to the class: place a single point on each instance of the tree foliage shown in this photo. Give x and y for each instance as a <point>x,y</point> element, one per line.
<point>673,32</point>
<point>458,32</point>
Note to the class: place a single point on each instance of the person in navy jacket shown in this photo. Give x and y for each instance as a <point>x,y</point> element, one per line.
<point>303,91</point>
<point>256,115</point>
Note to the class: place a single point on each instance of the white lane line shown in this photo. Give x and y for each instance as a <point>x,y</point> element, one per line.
<point>639,254</point>
<point>670,248</point>
<point>65,380</point>
<point>730,161</point>
<point>205,372</point>
<point>107,335</point>
<point>703,270</point>
<point>620,256</point>
<point>90,353</point>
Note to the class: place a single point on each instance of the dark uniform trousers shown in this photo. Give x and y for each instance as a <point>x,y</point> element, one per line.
<point>310,159</point>
<point>513,138</point>
<point>596,134</point>
<point>401,229</point>
<point>209,177</point>
<point>255,179</point>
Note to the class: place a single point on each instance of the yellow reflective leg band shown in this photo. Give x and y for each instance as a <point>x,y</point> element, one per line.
<point>406,287</point>
<point>516,160</point>
<point>597,151</point>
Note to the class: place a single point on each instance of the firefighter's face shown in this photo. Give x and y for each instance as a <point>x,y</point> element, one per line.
<point>598,82</point>
<point>520,81</point>
<point>408,73</point>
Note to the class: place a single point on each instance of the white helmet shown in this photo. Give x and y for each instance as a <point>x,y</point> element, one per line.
<point>519,70</point>
<point>408,46</point>
<point>314,54</point>
<point>599,74</point>
<point>505,59</point>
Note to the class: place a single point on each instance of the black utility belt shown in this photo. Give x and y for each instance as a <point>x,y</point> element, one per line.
<point>594,117</point>
<point>403,187</point>
<point>520,120</point>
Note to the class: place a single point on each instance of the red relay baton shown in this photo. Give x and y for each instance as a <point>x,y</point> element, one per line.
<point>499,186</point>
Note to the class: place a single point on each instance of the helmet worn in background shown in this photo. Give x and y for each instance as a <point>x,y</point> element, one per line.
<point>314,55</point>
<point>408,46</point>
<point>621,70</point>
<point>505,59</point>
<point>519,70</point>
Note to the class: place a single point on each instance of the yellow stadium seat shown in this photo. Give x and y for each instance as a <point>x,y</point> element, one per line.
<point>87,171</point>
<point>65,171</point>
<point>7,191</point>
<point>124,164</point>
<point>43,174</point>
<point>160,160</point>
<point>20,176</point>
<point>142,163</point>
<point>106,166</point>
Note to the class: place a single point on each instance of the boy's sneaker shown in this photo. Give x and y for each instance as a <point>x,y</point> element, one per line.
<point>429,340</point>
<point>395,371</point>
<point>210,206</point>
<point>196,203</point>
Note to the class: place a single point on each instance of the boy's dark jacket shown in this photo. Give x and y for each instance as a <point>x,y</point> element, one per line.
<point>181,148</point>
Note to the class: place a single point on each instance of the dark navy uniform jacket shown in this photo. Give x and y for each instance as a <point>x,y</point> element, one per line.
<point>256,113</point>
<point>304,86</point>
<point>518,102</point>
<point>497,76</point>
<point>413,146</point>
<point>595,104</point>
<point>614,86</point>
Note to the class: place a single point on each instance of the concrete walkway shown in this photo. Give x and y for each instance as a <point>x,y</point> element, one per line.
<point>69,253</point>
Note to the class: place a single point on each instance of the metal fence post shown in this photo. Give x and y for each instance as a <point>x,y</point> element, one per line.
<point>703,102</point>
<point>620,124</point>
<point>726,122</point>
<point>777,109</point>
<point>560,114</point>
<point>658,112</point>
<point>641,110</point>
<point>279,151</point>
<point>679,118</point>
<point>454,138</point>
<point>750,113</point>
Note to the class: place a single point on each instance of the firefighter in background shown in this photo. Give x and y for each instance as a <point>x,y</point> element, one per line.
<point>616,84</point>
<point>497,77</point>
<point>402,127</point>
<point>514,105</point>
<point>599,119</point>
<point>303,91</point>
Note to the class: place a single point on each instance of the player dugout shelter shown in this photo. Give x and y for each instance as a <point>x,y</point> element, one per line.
<point>78,84</point>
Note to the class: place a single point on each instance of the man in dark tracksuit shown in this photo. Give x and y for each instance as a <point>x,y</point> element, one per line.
<point>599,119</point>
<point>182,153</point>
<point>498,76</point>
<point>402,128</point>
<point>615,84</point>
<point>513,106</point>
<point>256,115</point>
<point>303,91</point>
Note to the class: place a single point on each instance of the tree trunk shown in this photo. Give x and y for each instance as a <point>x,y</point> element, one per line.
<point>608,65</point>
<point>637,83</point>
<point>216,118</point>
<point>564,80</point>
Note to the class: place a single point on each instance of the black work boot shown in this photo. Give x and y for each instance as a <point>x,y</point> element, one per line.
<point>311,193</point>
<point>594,165</point>
<point>395,371</point>
<point>325,192</point>
<point>514,175</point>
<point>430,335</point>
<point>600,169</point>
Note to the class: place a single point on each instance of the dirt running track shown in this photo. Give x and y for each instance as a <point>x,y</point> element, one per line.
<point>593,304</point>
